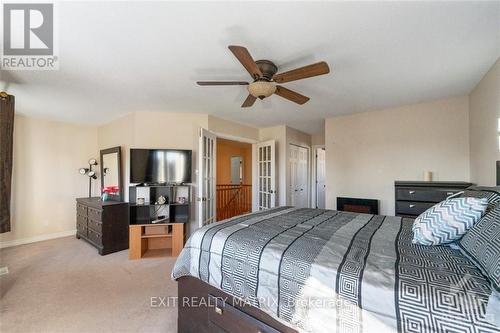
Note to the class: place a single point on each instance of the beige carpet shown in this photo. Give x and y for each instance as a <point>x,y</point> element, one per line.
<point>64,285</point>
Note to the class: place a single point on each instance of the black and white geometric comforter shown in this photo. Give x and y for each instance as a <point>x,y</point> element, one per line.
<point>326,271</point>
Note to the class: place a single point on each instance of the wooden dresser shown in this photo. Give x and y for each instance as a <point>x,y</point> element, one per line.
<point>413,198</point>
<point>104,224</point>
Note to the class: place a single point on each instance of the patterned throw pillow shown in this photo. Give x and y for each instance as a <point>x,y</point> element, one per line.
<point>490,193</point>
<point>482,245</point>
<point>448,220</point>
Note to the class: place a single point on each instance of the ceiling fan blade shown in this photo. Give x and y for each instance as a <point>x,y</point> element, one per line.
<point>242,54</point>
<point>248,101</point>
<point>222,83</point>
<point>291,95</point>
<point>319,68</point>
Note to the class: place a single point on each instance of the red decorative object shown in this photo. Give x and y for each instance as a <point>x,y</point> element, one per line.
<point>111,189</point>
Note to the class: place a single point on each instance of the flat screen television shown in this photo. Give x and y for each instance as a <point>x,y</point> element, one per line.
<point>171,166</point>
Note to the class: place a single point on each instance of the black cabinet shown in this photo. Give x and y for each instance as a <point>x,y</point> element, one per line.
<point>104,224</point>
<point>414,198</point>
<point>175,209</point>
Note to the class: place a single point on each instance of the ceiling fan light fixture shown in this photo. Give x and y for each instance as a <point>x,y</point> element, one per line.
<point>261,89</point>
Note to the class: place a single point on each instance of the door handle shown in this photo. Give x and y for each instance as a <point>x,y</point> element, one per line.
<point>411,206</point>
<point>411,192</point>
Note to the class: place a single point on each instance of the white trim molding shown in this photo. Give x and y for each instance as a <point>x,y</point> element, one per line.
<point>35,239</point>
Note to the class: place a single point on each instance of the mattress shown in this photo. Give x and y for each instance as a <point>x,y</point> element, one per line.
<point>327,271</point>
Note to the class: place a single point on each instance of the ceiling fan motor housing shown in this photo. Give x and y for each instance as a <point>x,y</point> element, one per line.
<point>268,69</point>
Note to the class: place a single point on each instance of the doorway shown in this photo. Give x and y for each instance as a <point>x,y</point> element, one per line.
<point>233,178</point>
<point>299,171</point>
<point>227,167</point>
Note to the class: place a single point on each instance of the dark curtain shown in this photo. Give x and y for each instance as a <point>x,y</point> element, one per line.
<point>6,148</point>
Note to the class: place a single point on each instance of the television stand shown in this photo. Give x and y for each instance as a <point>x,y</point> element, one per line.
<point>156,240</point>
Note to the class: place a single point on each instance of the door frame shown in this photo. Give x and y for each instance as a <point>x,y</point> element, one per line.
<point>314,203</point>
<point>253,142</point>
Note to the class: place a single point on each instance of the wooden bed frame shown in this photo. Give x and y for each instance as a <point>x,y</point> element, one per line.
<point>203,308</point>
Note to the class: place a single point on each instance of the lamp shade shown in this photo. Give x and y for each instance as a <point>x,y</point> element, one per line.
<point>261,89</point>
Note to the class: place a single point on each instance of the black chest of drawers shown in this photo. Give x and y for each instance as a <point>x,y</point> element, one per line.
<point>102,224</point>
<point>413,198</point>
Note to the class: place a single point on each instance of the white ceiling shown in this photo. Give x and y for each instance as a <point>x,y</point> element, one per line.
<point>118,57</point>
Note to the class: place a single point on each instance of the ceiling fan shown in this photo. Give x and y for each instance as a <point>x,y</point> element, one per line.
<point>265,78</point>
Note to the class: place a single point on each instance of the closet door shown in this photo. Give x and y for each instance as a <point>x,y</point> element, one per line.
<point>299,170</point>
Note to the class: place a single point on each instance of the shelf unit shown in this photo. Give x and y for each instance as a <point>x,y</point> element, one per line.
<point>151,211</point>
<point>156,240</point>
<point>157,230</point>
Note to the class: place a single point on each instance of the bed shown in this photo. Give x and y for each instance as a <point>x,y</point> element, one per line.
<point>312,270</point>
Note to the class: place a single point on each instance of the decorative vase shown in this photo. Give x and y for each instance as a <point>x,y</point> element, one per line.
<point>105,196</point>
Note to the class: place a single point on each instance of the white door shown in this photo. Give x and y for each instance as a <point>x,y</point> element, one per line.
<point>320,178</point>
<point>299,163</point>
<point>206,177</point>
<point>266,190</point>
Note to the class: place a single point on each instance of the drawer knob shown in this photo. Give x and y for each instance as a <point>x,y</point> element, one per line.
<point>411,192</point>
<point>218,310</point>
<point>411,206</point>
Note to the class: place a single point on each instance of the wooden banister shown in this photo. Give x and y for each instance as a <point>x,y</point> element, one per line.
<point>233,200</point>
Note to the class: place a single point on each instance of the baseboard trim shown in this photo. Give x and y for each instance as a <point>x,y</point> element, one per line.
<point>35,239</point>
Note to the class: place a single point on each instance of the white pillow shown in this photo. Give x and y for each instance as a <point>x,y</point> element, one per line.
<point>448,220</point>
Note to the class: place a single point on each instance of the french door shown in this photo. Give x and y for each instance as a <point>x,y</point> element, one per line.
<point>266,165</point>
<point>206,177</point>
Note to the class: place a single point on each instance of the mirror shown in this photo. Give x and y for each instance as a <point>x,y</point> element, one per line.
<point>111,172</point>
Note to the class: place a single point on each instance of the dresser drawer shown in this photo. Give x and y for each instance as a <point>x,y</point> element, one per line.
<point>95,225</point>
<point>81,209</point>
<point>81,227</point>
<point>95,214</point>
<point>94,237</point>
<point>428,195</point>
<point>412,207</point>
<point>80,219</point>
<point>230,319</point>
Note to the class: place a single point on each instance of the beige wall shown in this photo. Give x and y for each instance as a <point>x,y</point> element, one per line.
<point>232,130</point>
<point>367,152</point>
<point>484,108</point>
<point>47,156</point>
<point>318,139</point>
